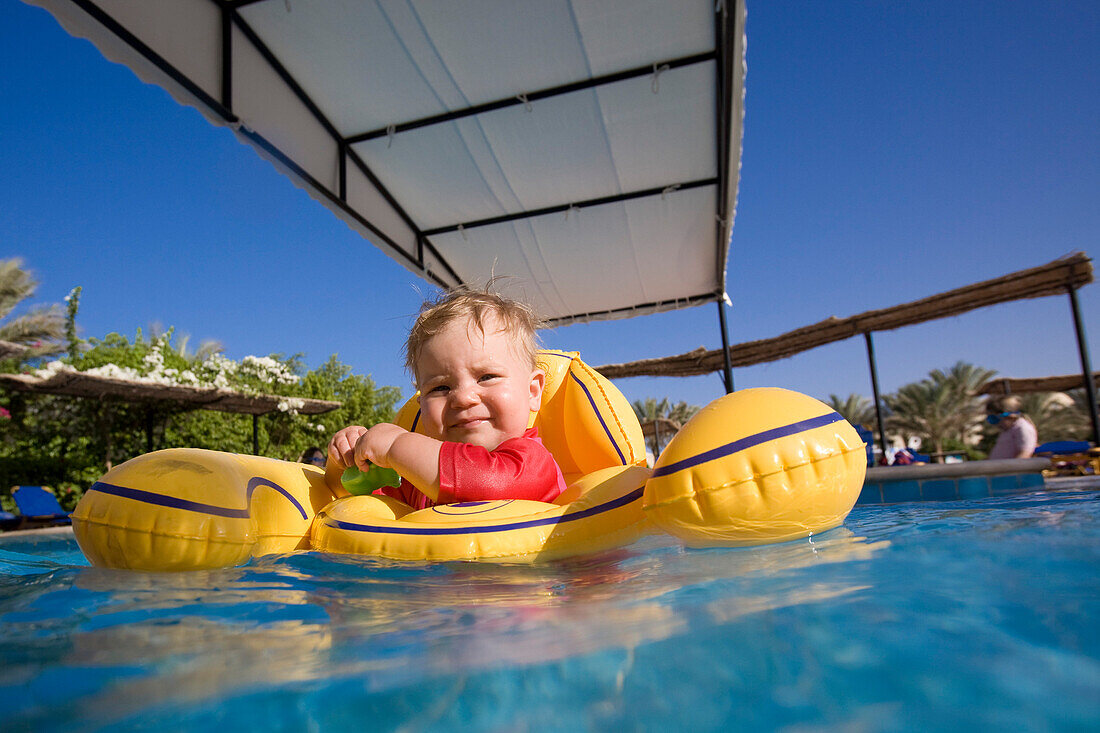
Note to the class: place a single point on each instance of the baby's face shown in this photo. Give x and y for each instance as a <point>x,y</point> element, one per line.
<point>474,387</point>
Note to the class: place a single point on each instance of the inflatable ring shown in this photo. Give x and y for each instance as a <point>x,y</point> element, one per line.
<point>607,513</point>
<point>756,466</point>
<point>187,508</point>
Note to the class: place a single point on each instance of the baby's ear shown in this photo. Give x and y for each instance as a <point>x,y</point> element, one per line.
<point>538,384</point>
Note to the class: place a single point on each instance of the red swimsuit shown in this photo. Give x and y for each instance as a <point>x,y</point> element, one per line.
<point>518,468</point>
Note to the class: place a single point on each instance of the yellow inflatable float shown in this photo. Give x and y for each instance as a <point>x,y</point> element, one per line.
<point>756,466</point>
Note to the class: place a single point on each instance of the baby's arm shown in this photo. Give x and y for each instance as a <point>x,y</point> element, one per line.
<point>414,456</point>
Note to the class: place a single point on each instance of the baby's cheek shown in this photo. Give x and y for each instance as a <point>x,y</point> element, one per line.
<point>430,425</point>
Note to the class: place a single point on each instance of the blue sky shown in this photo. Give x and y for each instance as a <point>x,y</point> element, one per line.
<point>892,151</point>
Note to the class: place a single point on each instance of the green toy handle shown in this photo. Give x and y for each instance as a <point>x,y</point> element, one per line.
<point>360,482</point>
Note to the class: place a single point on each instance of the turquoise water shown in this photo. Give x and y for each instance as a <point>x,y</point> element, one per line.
<point>975,614</point>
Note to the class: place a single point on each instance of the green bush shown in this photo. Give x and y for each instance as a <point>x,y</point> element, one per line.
<point>66,443</point>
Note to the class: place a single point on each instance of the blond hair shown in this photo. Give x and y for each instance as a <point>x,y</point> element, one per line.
<point>1005,403</point>
<point>474,305</point>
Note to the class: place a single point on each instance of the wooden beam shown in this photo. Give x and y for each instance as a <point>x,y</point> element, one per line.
<point>1061,383</point>
<point>81,384</point>
<point>1053,278</point>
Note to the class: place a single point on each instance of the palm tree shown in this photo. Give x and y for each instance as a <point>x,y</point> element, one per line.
<point>681,412</point>
<point>41,328</point>
<point>672,417</point>
<point>650,408</point>
<point>855,408</point>
<point>966,379</point>
<point>1056,415</point>
<point>944,407</point>
<point>180,343</point>
<point>1081,409</point>
<point>207,348</point>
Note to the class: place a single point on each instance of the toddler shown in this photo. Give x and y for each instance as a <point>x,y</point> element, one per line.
<point>472,356</point>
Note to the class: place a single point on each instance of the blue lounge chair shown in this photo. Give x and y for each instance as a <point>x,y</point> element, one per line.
<point>38,505</point>
<point>1071,457</point>
<point>867,437</point>
<point>1063,447</point>
<point>8,520</point>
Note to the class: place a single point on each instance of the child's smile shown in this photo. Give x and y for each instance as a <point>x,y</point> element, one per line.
<point>474,386</point>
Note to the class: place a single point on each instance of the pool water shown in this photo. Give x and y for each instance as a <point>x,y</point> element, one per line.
<point>975,614</point>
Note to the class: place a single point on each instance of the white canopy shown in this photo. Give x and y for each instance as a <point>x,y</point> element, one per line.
<point>588,148</point>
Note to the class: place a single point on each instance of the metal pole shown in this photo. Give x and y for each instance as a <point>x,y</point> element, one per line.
<point>149,430</point>
<point>874,389</point>
<point>1086,368</point>
<point>727,375</point>
<point>255,435</point>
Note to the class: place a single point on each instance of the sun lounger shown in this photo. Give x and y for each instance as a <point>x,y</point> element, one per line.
<point>1071,457</point>
<point>39,506</point>
<point>8,520</point>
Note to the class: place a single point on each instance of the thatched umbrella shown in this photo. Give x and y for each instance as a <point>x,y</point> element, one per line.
<point>94,386</point>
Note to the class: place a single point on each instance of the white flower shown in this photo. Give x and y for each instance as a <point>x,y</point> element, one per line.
<point>268,370</point>
<point>52,368</point>
<point>290,405</point>
<point>216,371</point>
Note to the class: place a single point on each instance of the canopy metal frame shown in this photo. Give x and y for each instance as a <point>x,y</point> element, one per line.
<point>723,58</point>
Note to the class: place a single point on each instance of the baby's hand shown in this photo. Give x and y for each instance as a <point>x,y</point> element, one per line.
<point>374,445</point>
<point>341,449</point>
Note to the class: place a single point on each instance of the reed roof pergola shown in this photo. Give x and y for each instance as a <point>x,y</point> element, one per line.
<point>1053,278</point>
<point>1059,277</point>
<point>9,349</point>
<point>95,386</point>
<point>1062,383</point>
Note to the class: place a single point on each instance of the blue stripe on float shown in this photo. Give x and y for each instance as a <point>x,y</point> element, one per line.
<point>600,416</point>
<point>174,502</point>
<point>256,481</point>
<point>738,445</point>
<point>416,419</point>
<point>412,529</point>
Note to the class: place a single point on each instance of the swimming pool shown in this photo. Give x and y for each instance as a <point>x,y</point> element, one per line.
<point>959,614</point>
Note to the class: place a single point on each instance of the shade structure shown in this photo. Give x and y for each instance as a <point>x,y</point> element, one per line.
<point>1062,275</point>
<point>1014,385</point>
<point>9,350</point>
<point>95,386</point>
<point>589,149</point>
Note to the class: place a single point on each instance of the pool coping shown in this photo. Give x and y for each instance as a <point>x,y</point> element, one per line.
<point>953,481</point>
<point>38,532</point>
<point>998,467</point>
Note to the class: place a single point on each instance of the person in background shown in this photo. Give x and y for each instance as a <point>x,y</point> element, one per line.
<point>1018,436</point>
<point>314,456</point>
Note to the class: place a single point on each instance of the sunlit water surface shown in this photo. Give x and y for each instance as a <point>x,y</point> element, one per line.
<point>963,615</point>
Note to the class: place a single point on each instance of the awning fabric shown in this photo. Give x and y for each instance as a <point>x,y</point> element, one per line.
<point>589,149</point>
